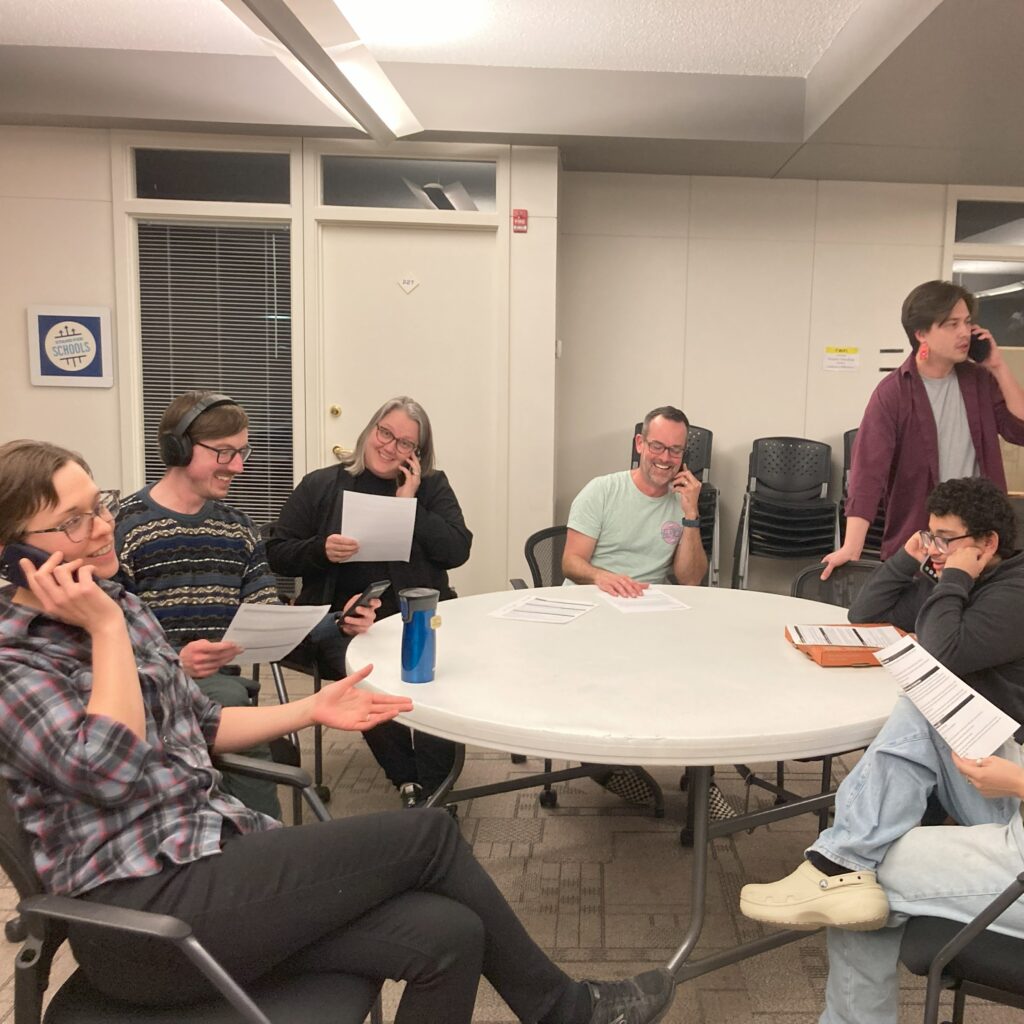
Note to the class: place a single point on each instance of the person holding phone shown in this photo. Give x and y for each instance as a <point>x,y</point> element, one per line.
<point>875,867</point>
<point>937,417</point>
<point>106,743</point>
<point>393,457</point>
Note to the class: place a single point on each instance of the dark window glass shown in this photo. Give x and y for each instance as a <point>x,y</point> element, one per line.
<point>989,223</point>
<point>214,177</point>
<point>409,184</point>
<point>998,285</point>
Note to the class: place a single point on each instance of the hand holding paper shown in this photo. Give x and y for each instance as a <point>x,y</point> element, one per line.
<point>382,526</point>
<point>972,726</point>
<point>267,632</point>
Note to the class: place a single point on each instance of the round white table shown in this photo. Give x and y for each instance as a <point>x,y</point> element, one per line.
<point>716,683</point>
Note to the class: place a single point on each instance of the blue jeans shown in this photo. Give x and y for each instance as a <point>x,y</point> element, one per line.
<point>942,871</point>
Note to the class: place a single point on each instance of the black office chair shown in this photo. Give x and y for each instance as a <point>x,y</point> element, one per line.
<point>42,928</point>
<point>697,459</point>
<point>786,509</point>
<point>968,959</point>
<point>873,541</point>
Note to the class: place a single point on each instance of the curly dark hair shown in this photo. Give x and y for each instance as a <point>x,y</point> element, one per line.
<point>982,506</point>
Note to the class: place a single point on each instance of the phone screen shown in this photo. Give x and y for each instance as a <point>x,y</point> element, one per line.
<point>372,591</point>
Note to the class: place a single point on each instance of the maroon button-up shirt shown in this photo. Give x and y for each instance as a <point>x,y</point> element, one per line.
<point>896,454</point>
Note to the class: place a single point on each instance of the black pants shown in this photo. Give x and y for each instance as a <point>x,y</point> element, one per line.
<point>395,895</point>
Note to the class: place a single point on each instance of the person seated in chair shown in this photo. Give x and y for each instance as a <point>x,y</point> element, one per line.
<point>875,866</point>
<point>106,747</point>
<point>194,559</point>
<point>393,457</point>
<point>630,529</point>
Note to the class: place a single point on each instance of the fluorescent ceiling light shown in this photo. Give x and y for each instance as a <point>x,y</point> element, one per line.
<point>1006,289</point>
<point>315,42</point>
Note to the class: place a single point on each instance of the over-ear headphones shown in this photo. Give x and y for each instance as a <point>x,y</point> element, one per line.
<point>175,445</point>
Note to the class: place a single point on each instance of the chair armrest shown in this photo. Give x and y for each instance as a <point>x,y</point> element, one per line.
<point>139,922</point>
<point>158,926</point>
<point>518,584</point>
<point>977,925</point>
<point>282,774</point>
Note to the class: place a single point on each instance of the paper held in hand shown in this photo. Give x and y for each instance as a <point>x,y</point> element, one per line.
<point>383,526</point>
<point>267,632</point>
<point>970,724</point>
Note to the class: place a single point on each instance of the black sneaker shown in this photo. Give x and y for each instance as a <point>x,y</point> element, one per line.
<point>640,1000</point>
<point>411,794</point>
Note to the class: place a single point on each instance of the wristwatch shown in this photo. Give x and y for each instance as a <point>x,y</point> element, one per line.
<point>691,522</point>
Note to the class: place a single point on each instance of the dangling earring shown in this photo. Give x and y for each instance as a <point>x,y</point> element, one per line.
<point>922,351</point>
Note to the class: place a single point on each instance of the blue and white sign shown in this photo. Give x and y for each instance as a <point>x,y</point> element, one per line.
<point>70,346</point>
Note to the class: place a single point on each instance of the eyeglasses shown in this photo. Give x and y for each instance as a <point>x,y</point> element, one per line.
<point>675,450</point>
<point>941,544</point>
<point>403,444</point>
<point>79,526</point>
<point>226,455</point>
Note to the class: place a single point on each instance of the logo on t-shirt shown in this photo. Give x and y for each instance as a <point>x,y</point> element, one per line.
<point>671,532</point>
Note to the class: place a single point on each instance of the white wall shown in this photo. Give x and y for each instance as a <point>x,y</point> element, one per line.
<point>720,295</point>
<point>55,208</point>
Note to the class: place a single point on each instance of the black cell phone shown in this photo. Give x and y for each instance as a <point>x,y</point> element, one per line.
<point>372,591</point>
<point>929,570</point>
<point>980,348</point>
<point>12,554</point>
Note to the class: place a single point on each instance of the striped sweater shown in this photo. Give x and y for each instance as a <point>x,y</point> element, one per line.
<point>192,570</point>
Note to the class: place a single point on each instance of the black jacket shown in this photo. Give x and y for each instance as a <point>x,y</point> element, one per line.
<point>440,540</point>
<point>974,627</point>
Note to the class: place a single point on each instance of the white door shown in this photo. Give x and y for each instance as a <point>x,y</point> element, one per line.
<point>413,311</point>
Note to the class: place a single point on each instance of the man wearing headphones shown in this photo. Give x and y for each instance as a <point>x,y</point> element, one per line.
<point>193,558</point>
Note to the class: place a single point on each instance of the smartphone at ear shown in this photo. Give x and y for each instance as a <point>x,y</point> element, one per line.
<point>10,569</point>
<point>929,570</point>
<point>980,348</point>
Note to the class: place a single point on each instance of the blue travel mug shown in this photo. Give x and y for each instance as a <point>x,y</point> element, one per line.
<point>419,633</point>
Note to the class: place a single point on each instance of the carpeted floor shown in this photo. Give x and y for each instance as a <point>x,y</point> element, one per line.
<point>604,887</point>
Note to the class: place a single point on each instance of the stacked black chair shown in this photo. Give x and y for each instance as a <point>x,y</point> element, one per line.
<point>786,509</point>
<point>42,923</point>
<point>873,542</point>
<point>697,459</point>
<point>967,958</point>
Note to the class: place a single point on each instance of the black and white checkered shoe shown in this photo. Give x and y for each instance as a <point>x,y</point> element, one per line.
<point>719,809</point>
<point>629,784</point>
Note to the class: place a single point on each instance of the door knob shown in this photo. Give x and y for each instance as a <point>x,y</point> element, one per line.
<point>341,452</point>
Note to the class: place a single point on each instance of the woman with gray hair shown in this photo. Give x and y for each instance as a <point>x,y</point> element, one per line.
<point>394,457</point>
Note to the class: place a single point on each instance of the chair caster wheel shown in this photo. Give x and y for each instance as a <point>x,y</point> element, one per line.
<point>686,837</point>
<point>684,782</point>
<point>659,812</point>
<point>548,798</point>
<point>15,930</point>
<point>323,792</point>
<point>518,758</point>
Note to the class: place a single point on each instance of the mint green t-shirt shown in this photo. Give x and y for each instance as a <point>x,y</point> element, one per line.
<point>636,535</point>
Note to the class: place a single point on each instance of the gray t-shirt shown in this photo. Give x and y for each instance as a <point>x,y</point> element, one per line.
<point>957,457</point>
<point>636,535</point>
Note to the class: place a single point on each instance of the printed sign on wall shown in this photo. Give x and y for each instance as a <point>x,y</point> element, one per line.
<point>70,346</point>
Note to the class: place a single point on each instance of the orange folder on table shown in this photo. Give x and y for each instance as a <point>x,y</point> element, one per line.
<point>834,656</point>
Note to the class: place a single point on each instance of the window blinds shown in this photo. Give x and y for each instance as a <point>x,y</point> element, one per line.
<point>216,315</point>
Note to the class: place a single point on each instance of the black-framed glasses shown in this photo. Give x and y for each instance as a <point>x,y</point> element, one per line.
<point>226,455</point>
<point>403,444</point>
<point>677,451</point>
<point>79,526</point>
<point>941,544</point>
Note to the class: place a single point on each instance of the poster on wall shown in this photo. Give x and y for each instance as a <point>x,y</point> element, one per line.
<point>70,346</point>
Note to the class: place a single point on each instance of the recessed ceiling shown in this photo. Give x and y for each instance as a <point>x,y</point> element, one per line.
<point>886,90</point>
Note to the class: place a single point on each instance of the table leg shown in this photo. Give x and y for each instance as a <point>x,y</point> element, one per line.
<point>435,799</point>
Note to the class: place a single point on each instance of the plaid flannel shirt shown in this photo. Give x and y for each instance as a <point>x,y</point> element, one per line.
<point>99,803</point>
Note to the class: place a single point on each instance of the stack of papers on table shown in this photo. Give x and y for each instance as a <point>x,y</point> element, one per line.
<point>650,600</point>
<point>544,609</point>
<point>842,646</point>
